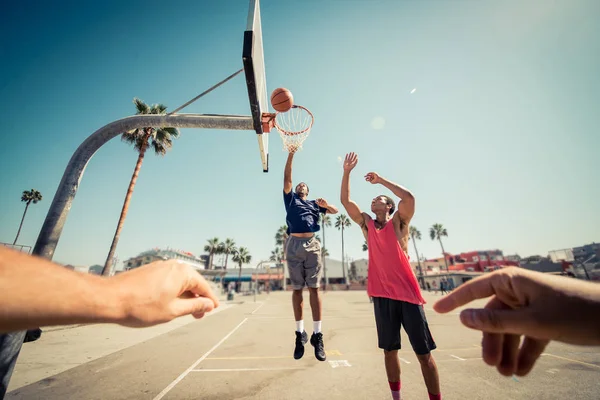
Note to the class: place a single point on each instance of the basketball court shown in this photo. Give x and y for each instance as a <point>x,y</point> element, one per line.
<point>245,352</point>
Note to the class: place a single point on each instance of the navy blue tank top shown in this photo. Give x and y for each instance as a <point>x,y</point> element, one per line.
<point>302,215</point>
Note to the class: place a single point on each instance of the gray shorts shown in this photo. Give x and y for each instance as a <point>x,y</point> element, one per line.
<point>303,257</point>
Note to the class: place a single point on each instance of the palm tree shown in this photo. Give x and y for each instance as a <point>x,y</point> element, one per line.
<point>276,255</point>
<point>325,221</point>
<point>415,234</point>
<point>365,246</point>
<point>241,256</point>
<point>219,252</point>
<point>436,232</point>
<point>161,140</point>
<point>227,247</point>
<point>211,248</point>
<point>28,196</point>
<point>341,222</point>
<point>281,235</point>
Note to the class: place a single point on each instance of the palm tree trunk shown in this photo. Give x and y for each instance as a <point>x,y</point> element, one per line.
<point>210,260</point>
<point>343,265</point>
<point>239,285</point>
<point>324,261</point>
<point>22,219</point>
<point>226,257</point>
<point>418,261</point>
<point>113,247</point>
<point>443,254</point>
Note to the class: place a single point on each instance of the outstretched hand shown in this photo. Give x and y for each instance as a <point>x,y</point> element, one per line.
<point>533,305</point>
<point>373,177</point>
<point>162,291</point>
<point>350,161</point>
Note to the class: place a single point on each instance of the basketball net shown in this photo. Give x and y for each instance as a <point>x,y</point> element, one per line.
<point>293,126</point>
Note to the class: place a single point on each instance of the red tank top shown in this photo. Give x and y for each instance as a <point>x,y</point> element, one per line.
<point>390,274</point>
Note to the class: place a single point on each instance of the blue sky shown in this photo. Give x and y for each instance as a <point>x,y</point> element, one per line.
<point>499,143</point>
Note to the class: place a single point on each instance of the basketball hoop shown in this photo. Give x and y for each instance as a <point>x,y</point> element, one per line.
<point>293,126</point>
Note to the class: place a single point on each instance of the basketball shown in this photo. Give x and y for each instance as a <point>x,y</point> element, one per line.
<point>282,99</point>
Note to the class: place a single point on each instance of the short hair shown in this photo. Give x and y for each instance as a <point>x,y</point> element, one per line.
<point>307,189</point>
<point>389,201</point>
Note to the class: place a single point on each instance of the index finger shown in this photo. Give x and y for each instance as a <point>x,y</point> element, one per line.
<point>478,288</point>
<point>198,285</point>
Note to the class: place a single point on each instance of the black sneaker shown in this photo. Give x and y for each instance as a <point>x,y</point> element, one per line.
<point>301,339</point>
<point>317,341</point>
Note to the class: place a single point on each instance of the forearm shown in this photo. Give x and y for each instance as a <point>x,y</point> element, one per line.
<point>345,192</point>
<point>37,292</point>
<point>287,172</point>
<point>331,209</point>
<point>398,190</point>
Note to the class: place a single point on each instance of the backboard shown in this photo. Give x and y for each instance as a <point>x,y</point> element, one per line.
<point>561,255</point>
<point>256,80</point>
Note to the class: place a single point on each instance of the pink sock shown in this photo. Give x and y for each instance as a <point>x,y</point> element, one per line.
<point>435,396</point>
<point>395,388</point>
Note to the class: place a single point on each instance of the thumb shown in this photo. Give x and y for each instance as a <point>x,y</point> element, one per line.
<point>517,322</point>
<point>194,305</point>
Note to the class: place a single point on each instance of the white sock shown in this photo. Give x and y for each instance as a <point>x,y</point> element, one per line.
<point>317,326</point>
<point>300,326</point>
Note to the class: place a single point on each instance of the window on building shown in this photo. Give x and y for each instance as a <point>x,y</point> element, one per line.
<point>475,258</point>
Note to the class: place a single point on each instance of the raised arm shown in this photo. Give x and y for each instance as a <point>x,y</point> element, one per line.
<point>287,174</point>
<point>351,207</point>
<point>406,207</point>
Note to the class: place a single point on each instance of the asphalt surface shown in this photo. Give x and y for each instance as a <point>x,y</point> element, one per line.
<point>245,352</point>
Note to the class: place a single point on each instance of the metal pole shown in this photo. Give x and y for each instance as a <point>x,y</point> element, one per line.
<point>67,189</point>
<point>323,256</point>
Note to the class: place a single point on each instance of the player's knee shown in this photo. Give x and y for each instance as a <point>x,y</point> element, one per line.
<point>425,359</point>
<point>390,353</point>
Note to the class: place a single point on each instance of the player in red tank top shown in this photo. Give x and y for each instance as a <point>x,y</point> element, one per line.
<point>392,283</point>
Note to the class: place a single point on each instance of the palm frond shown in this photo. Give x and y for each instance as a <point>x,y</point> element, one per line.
<point>414,233</point>
<point>131,136</point>
<point>158,109</point>
<point>174,132</point>
<point>140,106</point>
<point>159,148</point>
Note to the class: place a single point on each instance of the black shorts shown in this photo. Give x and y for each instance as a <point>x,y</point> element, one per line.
<point>390,314</point>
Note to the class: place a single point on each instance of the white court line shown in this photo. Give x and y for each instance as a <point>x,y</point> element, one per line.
<point>257,308</point>
<point>572,360</point>
<point>458,358</point>
<point>403,360</point>
<point>244,369</point>
<point>194,365</point>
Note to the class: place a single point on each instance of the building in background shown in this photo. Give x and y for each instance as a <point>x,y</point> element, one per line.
<point>541,264</point>
<point>359,270</point>
<point>78,268</point>
<point>514,257</point>
<point>156,254</point>
<point>266,276</point>
<point>96,269</point>
<point>587,252</point>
